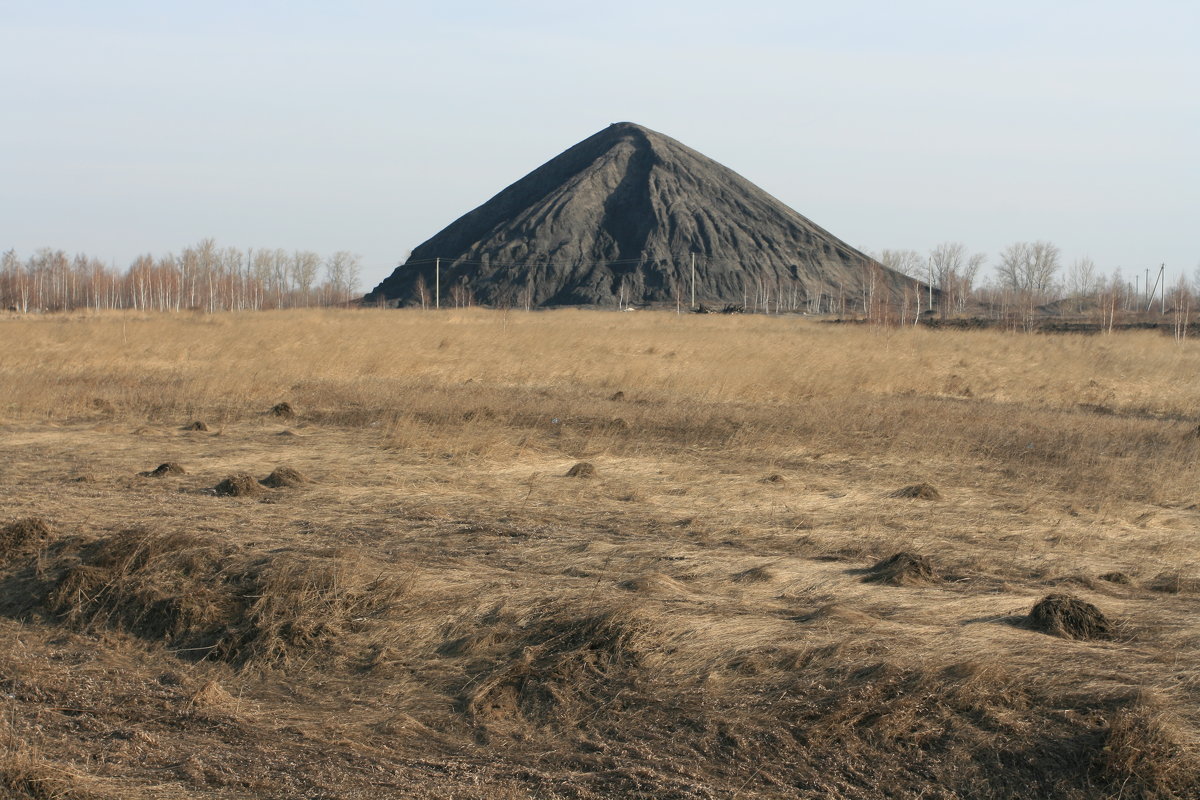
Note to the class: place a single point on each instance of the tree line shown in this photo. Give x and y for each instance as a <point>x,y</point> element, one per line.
<point>1029,275</point>
<point>203,277</point>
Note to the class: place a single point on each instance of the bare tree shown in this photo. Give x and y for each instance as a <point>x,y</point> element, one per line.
<point>353,274</point>
<point>342,273</point>
<point>1029,267</point>
<point>281,275</point>
<point>953,271</point>
<point>906,262</point>
<point>947,260</point>
<point>304,267</point>
<point>422,290</point>
<point>1081,279</point>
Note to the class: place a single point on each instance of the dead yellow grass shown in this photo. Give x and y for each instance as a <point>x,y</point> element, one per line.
<point>438,611</point>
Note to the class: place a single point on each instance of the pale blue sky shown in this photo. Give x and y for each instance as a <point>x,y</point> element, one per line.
<point>129,127</point>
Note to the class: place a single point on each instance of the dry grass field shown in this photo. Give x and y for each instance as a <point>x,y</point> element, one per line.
<point>424,604</point>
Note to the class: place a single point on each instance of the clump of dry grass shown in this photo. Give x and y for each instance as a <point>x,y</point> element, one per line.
<point>18,534</point>
<point>1175,583</point>
<point>164,469</point>
<point>283,410</point>
<point>1068,616</point>
<point>211,699</point>
<point>1148,753</point>
<point>654,583</point>
<point>918,491</point>
<point>24,775</point>
<point>283,478</point>
<point>565,667</point>
<point>759,574</point>
<point>201,597</point>
<point>902,569</point>
<point>239,485</point>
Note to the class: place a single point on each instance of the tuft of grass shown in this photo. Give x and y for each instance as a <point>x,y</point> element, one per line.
<point>1148,752</point>
<point>198,596</point>
<point>17,535</point>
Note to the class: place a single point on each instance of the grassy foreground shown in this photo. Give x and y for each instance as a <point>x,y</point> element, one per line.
<point>424,605</point>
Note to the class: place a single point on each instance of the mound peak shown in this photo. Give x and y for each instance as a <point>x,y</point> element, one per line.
<point>617,219</point>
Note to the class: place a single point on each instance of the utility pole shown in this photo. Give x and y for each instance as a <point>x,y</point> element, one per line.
<point>1162,288</point>
<point>1160,285</point>
<point>693,280</point>
<point>437,283</point>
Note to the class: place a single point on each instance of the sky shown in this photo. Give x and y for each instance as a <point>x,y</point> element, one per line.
<point>144,127</point>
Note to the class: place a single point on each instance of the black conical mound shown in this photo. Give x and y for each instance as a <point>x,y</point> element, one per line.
<point>617,218</point>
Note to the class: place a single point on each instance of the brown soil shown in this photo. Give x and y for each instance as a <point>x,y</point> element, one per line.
<point>239,485</point>
<point>902,569</point>
<point>1067,616</point>
<point>918,491</point>
<point>581,470</point>
<point>164,469</point>
<point>283,478</point>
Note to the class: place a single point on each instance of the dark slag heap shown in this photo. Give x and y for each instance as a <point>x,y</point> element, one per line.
<point>617,218</point>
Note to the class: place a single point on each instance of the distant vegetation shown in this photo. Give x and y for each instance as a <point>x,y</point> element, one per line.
<point>201,277</point>
<point>1028,282</point>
